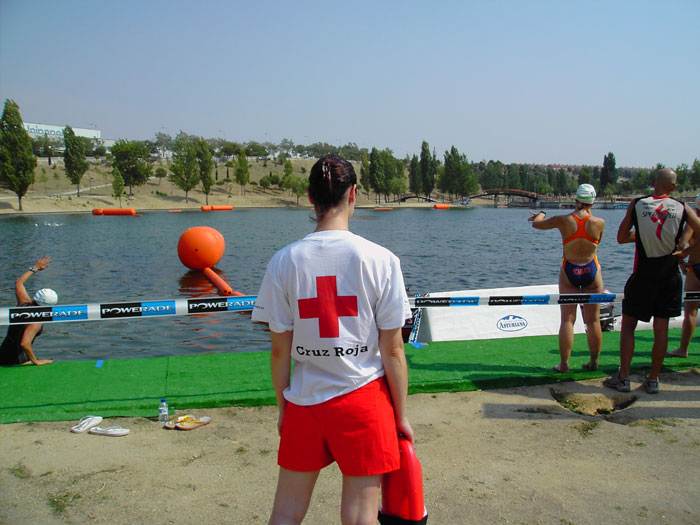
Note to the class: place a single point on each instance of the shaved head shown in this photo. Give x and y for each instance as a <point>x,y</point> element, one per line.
<point>665,181</point>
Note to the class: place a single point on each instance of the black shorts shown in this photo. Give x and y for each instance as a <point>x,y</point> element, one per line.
<point>648,296</point>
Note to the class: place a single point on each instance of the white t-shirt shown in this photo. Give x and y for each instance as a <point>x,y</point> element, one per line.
<point>334,289</point>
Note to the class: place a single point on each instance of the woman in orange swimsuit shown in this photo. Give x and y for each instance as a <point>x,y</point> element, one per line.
<point>580,272</point>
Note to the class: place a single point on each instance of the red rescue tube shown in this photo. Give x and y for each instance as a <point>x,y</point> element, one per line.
<point>217,281</point>
<point>221,207</point>
<point>441,206</point>
<point>119,211</point>
<point>402,490</point>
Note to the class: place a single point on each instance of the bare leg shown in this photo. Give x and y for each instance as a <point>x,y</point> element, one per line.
<point>360,500</point>
<point>566,336</point>
<point>629,324</point>
<point>689,320</point>
<point>293,496</point>
<point>658,350</point>
<point>594,334</point>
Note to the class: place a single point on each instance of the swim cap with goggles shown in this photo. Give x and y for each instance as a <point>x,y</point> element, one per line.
<point>585,194</point>
<point>46,297</point>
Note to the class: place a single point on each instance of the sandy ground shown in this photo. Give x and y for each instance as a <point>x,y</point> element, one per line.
<point>502,456</point>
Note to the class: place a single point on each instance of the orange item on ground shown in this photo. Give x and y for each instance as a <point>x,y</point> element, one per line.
<point>441,206</point>
<point>402,490</point>
<point>221,207</point>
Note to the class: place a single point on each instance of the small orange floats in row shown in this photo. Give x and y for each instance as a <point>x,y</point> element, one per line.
<point>217,207</point>
<point>383,209</point>
<point>114,211</point>
<point>441,206</point>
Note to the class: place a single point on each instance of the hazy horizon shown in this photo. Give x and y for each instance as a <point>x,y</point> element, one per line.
<point>543,82</point>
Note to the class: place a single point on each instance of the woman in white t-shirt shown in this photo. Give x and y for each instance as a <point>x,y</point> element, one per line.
<point>335,304</point>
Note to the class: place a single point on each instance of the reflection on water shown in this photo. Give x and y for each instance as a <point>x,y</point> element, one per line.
<point>116,259</point>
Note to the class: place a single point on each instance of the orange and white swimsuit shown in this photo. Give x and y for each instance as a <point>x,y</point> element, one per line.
<point>581,275</point>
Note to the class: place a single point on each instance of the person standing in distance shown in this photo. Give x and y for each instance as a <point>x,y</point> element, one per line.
<point>335,304</point>
<point>580,272</point>
<point>655,224</point>
<point>17,347</point>
<point>691,269</point>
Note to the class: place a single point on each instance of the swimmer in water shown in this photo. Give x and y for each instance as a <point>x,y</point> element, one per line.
<point>580,272</point>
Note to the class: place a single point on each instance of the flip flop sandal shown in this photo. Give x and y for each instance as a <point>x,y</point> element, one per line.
<point>193,423</point>
<point>114,431</point>
<point>86,423</point>
<point>170,425</point>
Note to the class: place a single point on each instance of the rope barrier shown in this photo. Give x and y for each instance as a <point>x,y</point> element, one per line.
<point>174,307</point>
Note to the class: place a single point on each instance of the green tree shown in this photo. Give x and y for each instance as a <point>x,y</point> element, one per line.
<point>205,164</point>
<point>265,182</point>
<point>184,168</point>
<point>17,162</point>
<point>608,175</point>
<point>364,172</point>
<point>288,167</point>
<point>299,186</point>
<point>117,185</point>
<point>428,169</point>
<point>695,174</point>
<point>74,157</point>
<point>164,143</point>
<point>376,172</point>
<point>414,176</point>
<point>161,173</point>
<point>132,159</point>
<point>242,173</point>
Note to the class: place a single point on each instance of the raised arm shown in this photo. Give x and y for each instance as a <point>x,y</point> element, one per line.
<point>626,233</point>
<point>20,290</point>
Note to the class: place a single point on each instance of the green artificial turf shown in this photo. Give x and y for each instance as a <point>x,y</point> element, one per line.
<point>133,387</point>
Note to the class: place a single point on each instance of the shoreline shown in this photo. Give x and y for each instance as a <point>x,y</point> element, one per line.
<point>512,455</point>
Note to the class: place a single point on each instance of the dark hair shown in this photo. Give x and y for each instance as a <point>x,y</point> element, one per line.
<point>329,179</point>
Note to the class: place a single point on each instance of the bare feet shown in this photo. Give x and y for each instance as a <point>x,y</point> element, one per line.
<point>590,366</point>
<point>677,353</point>
<point>562,369</point>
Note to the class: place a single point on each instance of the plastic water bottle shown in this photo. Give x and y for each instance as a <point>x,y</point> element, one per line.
<point>163,411</point>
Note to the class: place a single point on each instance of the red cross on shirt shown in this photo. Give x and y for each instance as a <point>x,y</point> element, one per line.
<point>328,306</point>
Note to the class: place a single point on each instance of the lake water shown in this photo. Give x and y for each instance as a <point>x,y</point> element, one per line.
<point>117,259</point>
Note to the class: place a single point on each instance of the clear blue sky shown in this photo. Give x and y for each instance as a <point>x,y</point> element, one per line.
<point>518,81</point>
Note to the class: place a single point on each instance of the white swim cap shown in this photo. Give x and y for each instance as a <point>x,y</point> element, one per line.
<point>46,297</point>
<point>585,194</point>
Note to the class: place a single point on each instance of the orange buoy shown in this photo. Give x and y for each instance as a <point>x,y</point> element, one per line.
<point>441,206</point>
<point>119,211</point>
<point>174,211</point>
<point>205,208</point>
<point>217,281</point>
<point>200,247</point>
<point>402,490</point>
<point>221,207</point>
<point>383,209</point>
<point>97,211</point>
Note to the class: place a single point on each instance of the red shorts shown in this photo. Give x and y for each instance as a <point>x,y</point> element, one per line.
<point>357,430</point>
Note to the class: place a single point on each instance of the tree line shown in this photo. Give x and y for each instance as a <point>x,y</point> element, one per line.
<point>194,158</point>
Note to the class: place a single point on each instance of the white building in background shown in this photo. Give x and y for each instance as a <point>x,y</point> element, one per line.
<point>39,130</point>
<point>56,132</point>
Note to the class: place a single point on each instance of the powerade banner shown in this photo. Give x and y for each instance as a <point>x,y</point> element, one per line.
<point>220,304</point>
<point>42,314</point>
<point>142,309</point>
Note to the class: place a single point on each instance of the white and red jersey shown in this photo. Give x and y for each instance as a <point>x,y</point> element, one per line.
<point>334,289</point>
<point>659,221</point>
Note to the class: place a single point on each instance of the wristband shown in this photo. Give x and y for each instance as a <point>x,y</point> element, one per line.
<point>32,269</point>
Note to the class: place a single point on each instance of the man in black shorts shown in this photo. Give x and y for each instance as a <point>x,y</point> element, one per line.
<point>654,223</point>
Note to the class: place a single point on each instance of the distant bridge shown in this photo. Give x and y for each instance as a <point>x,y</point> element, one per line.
<point>509,193</point>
